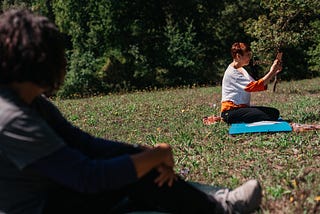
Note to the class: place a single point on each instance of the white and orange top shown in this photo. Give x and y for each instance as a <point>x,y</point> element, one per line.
<point>236,87</point>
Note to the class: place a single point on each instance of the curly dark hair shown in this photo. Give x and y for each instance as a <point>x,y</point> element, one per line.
<point>31,49</point>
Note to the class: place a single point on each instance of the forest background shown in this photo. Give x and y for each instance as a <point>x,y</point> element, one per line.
<point>125,45</point>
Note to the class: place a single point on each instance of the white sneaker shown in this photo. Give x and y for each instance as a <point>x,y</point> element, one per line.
<point>244,199</point>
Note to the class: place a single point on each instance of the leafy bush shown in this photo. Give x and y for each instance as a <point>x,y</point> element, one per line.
<point>184,54</point>
<point>82,77</point>
<point>314,50</point>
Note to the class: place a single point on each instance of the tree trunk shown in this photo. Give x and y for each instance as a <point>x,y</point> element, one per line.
<point>275,83</point>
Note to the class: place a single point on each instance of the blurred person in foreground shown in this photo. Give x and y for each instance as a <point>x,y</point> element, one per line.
<point>47,165</point>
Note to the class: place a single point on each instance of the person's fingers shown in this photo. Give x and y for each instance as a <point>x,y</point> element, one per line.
<point>276,66</point>
<point>161,179</point>
<point>279,70</point>
<point>167,178</point>
<point>166,175</point>
<point>162,175</point>
<point>172,180</point>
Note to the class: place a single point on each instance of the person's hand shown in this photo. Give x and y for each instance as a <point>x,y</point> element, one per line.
<point>166,175</point>
<point>274,70</point>
<point>276,67</point>
<point>154,158</point>
<point>168,155</point>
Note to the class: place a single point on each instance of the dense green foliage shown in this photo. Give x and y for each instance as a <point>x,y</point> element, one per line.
<point>287,164</point>
<point>285,26</point>
<point>126,45</point>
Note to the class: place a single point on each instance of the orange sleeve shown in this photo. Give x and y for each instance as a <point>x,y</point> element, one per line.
<point>256,86</point>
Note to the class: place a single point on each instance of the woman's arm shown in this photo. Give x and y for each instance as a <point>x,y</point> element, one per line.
<point>274,70</point>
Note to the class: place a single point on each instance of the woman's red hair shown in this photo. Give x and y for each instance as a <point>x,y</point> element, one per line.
<point>239,48</point>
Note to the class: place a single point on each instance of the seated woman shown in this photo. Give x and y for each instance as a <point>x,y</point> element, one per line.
<point>237,86</point>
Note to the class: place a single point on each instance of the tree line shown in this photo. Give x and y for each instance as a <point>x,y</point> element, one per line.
<point>123,45</point>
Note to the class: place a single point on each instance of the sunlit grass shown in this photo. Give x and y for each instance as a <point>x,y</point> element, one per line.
<point>287,164</point>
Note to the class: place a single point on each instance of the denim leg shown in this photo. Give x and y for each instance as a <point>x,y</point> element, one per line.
<point>64,200</point>
<point>182,197</point>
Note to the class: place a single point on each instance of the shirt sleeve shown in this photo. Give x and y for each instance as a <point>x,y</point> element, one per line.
<point>91,146</point>
<point>77,138</point>
<point>28,138</point>
<point>256,86</point>
<point>71,168</point>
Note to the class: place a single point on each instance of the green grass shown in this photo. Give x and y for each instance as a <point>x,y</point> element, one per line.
<point>287,164</point>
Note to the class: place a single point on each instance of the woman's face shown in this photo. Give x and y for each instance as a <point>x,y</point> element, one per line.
<point>245,58</point>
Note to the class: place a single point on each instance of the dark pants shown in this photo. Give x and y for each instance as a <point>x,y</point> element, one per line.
<point>182,197</point>
<point>144,195</point>
<point>250,114</point>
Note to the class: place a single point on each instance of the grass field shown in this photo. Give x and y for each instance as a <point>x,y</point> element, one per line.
<point>287,164</point>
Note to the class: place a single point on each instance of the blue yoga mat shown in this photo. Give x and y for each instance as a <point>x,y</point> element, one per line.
<point>262,126</point>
